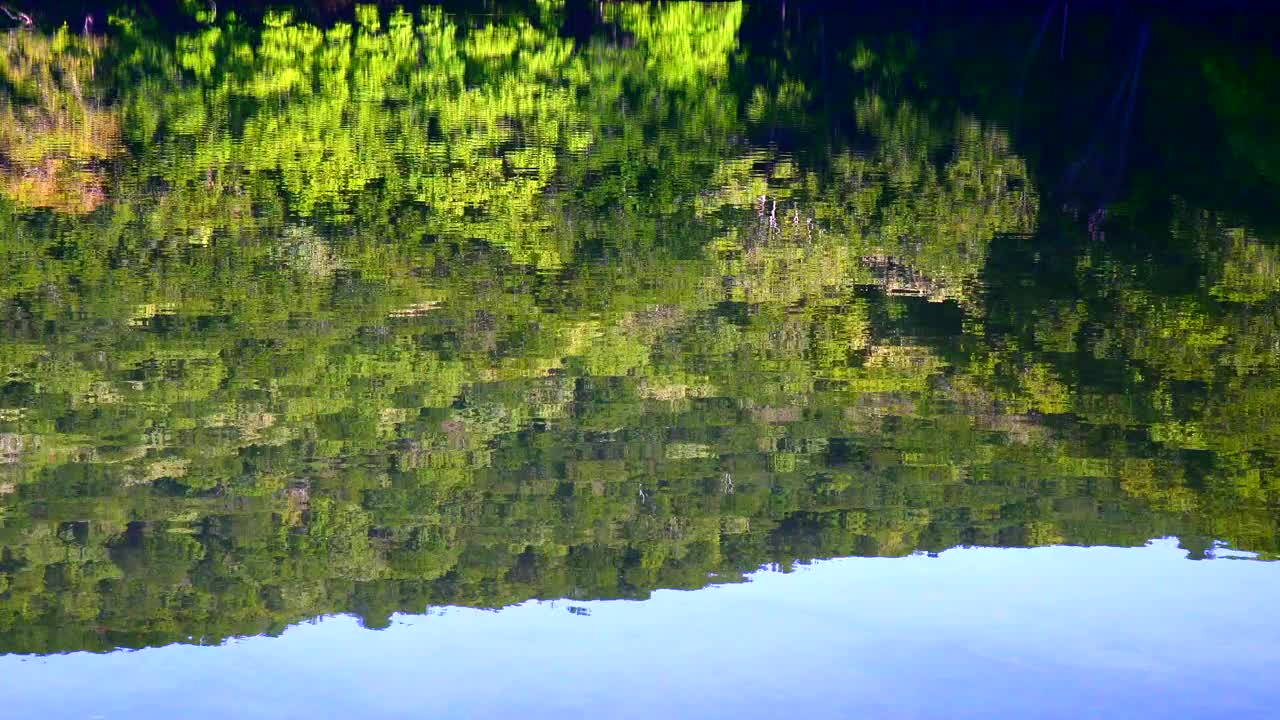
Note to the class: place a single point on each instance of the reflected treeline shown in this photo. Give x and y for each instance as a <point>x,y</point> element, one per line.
<point>420,307</point>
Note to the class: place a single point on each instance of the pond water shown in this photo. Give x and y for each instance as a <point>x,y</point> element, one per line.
<point>899,362</point>
<point>972,633</point>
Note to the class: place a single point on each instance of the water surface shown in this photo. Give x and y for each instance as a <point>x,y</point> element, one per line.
<point>375,314</point>
<point>972,633</point>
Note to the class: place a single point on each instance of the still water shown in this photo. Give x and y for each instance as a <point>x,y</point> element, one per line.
<point>972,633</point>
<point>323,322</point>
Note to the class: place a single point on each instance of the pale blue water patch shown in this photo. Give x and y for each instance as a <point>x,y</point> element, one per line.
<point>1053,632</point>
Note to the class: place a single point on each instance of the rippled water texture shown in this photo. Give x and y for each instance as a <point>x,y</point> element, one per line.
<point>373,311</point>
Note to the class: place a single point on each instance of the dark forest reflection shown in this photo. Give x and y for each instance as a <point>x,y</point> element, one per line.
<point>424,307</point>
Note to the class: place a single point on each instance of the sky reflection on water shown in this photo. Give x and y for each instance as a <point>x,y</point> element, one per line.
<point>1047,632</point>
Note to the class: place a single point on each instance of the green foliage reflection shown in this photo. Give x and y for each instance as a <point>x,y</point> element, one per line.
<point>440,309</point>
